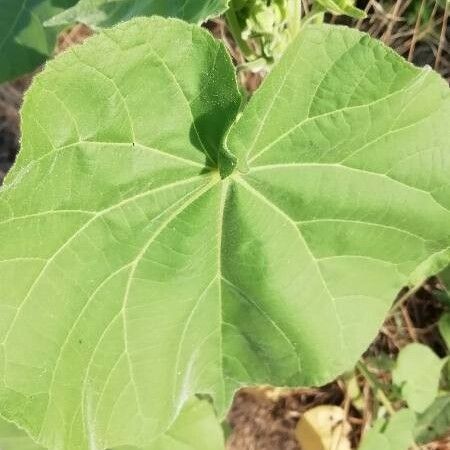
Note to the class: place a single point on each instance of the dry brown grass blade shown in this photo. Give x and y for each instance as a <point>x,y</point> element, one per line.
<point>442,39</point>
<point>392,20</point>
<point>416,31</point>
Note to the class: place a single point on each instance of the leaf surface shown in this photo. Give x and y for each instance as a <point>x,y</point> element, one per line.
<point>11,438</point>
<point>139,276</point>
<point>105,13</point>
<point>434,423</point>
<point>24,41</point>
<point>396,433</point>
<point>417,374</point>
<point>196,428</point>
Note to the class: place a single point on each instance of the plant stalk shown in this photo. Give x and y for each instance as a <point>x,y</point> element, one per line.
<point>375,385</point>
<point>235,30</point>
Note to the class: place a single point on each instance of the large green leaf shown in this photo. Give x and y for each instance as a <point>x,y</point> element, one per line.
<point>11,438</point>
<point>137,276</point>
<point>24,41</point>
<point>104,13</point>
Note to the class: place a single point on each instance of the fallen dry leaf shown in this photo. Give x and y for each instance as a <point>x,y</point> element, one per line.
<point>324,428</point>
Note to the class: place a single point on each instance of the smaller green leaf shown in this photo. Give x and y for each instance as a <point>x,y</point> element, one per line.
<point>417,374</point>
<point>24,42</point>
<point>344,7</point>
<point>434,422</point>
<point>105,13</point>
<point>444,328</point>
<point>393,434</point>
<point>12,438</point>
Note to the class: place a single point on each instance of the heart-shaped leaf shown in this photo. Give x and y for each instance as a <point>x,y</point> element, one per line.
<point>24,41</point>
<point>150,252</point>
<point>104,13</point>
<point>417,374</point>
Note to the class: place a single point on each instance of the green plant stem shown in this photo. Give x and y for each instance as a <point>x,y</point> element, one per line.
<point>375,385</point>
<point>317,14</point>
<point>235,30</point>
<point>295,19</point>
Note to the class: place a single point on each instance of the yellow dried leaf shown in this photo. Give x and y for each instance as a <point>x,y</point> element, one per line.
<point>324,428</point>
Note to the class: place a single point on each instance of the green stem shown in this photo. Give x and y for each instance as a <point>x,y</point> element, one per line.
<point>295,18</point>
<point>235,29</point>
<point>316,14</point>
<point>375,385</point>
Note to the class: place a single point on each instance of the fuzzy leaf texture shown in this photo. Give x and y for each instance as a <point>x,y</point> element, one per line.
<point>24,41</point>
<point>104,13</point>
<point>155,247</point>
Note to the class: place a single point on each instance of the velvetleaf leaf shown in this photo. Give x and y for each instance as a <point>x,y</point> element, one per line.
<point>155,246</point>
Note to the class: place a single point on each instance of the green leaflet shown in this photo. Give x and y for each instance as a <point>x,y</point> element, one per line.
<point>396,433</point>
<point>11,438</point>
<point>104,13</point>
<point>417,374</point>
<point>24,41</point>
<point>434,423</point>
<point>138,276</point>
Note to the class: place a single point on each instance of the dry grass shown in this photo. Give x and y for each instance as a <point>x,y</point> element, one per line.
<point>416,29</point>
